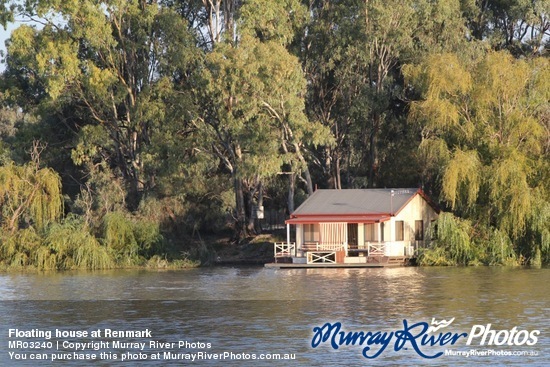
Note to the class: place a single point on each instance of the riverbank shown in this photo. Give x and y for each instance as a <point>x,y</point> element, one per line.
<point>201,251</point>
<point>208,250</point>
<point>255,251</point>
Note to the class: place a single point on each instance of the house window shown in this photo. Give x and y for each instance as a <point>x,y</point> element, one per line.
<point>399,230</point>
<point>369,232</point>
<point>382,230</point>
<point>433,229</point>
<point>419,230</point>
<point>311,232</point>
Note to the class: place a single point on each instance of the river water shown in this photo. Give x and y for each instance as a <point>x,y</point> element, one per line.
<point>248,312</point>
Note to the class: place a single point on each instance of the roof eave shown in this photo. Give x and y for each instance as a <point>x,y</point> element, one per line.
<point>334,218</point>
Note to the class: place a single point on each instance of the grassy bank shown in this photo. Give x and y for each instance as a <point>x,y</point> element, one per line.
<point>118,242</point>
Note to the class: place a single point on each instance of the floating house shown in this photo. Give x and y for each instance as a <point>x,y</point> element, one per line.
<point>359,226</point>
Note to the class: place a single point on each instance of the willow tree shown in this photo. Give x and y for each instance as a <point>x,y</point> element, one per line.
<point>485,128</point>
<point>29,196</point>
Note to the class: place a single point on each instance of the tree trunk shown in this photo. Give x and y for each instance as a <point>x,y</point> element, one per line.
<point>305,168</point>
<point>253,205</point>
<point>337,173</point>
<point>372,151</point>
<point>240,211</point>
<point>238,185</point>
<point>260,205</point>
<point>328,168</point>
<point>212,8</point>
<point>229,10</point>
<point>309,181</point>
<point>291,189</point>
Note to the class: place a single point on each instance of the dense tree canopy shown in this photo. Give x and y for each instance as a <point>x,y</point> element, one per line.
<point>186,115</point>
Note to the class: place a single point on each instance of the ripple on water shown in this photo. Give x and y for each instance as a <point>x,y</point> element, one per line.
<point>267,310</point>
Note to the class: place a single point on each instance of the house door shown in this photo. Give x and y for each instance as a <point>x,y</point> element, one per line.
<point>352,235</point>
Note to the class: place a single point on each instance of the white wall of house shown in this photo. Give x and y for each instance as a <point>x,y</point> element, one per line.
<point>417,209</point>
<point>392,246</point>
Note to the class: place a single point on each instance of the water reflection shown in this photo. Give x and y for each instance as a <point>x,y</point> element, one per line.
<point>275,310</point>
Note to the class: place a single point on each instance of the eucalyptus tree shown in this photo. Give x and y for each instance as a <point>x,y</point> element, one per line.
<point>334,80</point>
<point>485,130</point>
<point>105,70</point>
<point>521,26</point>
<point>213,20</point>
<point>284,23</point>
<point>353,51</point>
<point>252,113</point>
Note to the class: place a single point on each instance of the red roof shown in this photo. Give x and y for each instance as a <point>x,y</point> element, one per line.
<point>340,218</point>
<point>354,205</point>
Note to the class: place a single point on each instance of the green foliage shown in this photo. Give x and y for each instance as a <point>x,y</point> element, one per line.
<point>499,249</point>
<point>461,178</point>
<point>491,151</point>
<point>456,242</point>
<point>103,193</point>
<point>92,255</point>
<point>534,245</point>
<point>118,233</point>
<point>436,256</point>
<point>516,25</point>
<point>4,155</point>
<point>17,248</point>
<point>110,69</point>
<point>272,20</point>
<point>147,235</point>
<point>131,238</point>
<point>353,59</point>
<point>29,193</point>
<point>65,245</point>
<point>160,131</point>
<point>453,235</point>
<point>70,245</point>
<point>254,114</point>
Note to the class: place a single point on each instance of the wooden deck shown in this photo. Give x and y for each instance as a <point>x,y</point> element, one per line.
<point>372,262</point>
